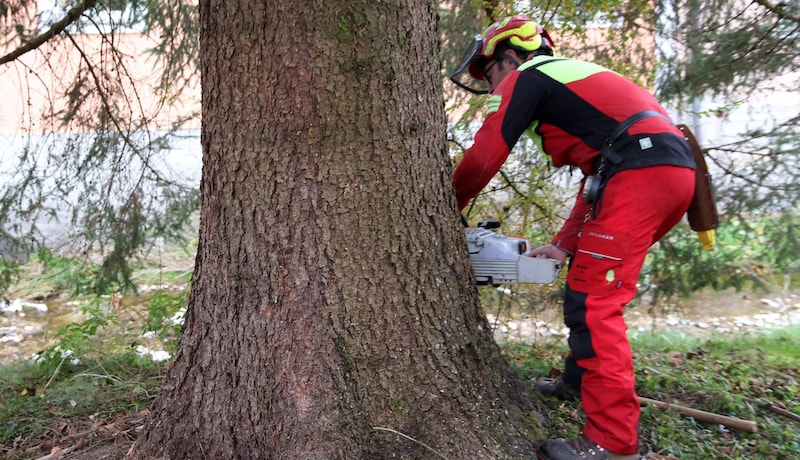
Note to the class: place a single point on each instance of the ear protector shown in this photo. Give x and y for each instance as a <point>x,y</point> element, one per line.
<point>593,185</point>
<point>592,188</point>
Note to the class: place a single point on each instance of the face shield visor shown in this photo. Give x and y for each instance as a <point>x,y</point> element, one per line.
<point>469,72</point>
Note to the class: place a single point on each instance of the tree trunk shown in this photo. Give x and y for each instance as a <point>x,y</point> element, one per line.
<point>332,311</point>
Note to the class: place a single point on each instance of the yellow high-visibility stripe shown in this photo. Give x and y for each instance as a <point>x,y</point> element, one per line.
<point>566,71</point>
<point>537,139</point>
<point>494,104</point>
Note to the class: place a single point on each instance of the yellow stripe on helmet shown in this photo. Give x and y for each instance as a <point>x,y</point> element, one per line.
<point>526,37</point>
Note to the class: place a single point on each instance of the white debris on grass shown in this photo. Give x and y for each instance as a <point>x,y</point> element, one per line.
<point>22,306</point>
<point>155,355</point>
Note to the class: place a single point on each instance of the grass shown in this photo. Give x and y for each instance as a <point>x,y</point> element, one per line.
<point>734,375</point>
<point>731,375</point>
<point>101,389</point>
<point>61,403</point>
<point>42,407</point>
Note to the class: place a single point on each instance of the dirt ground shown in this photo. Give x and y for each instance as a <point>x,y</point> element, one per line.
<point>103,441</point>
<point>116,444</point>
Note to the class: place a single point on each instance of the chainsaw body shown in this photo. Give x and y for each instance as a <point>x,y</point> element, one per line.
<point>499,259</point>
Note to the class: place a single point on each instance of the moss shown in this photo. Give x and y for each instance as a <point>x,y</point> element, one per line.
<point>349,24</point>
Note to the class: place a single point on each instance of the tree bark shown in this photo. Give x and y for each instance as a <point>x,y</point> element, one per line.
<point>332,311</point>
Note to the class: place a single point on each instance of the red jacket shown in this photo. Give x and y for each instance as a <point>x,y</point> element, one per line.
<point>569,107</point>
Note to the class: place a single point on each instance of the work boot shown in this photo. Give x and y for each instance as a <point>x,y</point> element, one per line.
<point>557,388</point>
<point>580,448</point>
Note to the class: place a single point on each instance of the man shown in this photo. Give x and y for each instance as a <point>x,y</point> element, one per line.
<point>639,181</point>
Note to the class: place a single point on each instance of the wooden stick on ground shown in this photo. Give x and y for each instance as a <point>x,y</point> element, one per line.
<point>775,409</point>
<point>703,416</point>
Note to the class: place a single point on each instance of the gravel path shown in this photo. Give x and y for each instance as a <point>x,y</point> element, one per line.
<point>729,313</point>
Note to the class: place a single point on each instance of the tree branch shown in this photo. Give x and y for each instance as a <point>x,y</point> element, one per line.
<point>55,29</point>
<point>778,10</point>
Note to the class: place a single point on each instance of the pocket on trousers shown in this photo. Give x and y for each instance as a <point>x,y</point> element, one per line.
<point>597,264</point>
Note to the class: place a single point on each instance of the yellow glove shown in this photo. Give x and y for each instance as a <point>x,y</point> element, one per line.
<point>707,238</point>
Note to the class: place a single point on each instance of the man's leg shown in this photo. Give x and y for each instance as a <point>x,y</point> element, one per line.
<point>639,206</point>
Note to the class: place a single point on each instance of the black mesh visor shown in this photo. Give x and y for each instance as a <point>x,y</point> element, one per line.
<point>461,76</point>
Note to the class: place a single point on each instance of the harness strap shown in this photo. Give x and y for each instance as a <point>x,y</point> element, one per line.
<point>610,162</point>
<point>621,128</point>
<point>539,64</point>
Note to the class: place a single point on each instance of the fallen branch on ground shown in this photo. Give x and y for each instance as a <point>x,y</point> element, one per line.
<point>775,409</point>
<point>703,416</point>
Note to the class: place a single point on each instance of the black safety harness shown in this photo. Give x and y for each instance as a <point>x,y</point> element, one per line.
<point>611,161</point>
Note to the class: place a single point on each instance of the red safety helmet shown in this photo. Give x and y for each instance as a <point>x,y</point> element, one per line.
<point>520,32</point>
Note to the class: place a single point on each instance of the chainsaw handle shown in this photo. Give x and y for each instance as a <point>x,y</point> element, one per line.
<point>549,251</point>
<point>489,224</point>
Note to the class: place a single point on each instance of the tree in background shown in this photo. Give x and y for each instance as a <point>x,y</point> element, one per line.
<point>737,63</point>
<point>94,94</point>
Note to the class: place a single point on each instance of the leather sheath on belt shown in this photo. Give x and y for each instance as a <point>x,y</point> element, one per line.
<point>702,214</point>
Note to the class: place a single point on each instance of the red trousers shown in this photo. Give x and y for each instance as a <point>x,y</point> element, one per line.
<point>637,208</point>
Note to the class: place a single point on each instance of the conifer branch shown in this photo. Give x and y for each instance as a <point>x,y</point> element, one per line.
<point>56,29</point>
<point>779,10</point>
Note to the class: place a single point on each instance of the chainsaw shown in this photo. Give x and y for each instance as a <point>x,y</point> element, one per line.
<point>499,259</point>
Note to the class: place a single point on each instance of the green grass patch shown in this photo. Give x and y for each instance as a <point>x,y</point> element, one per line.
<point>47,274</point>
<point>734,375</point>
<point>737,375</point>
